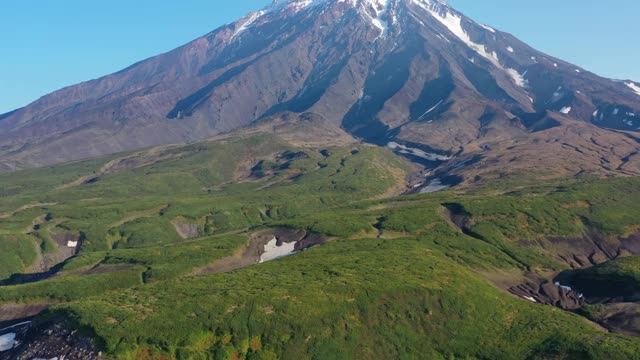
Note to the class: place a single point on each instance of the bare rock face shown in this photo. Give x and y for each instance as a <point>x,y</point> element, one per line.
<point>409,71</point>
<point>52,340</point>
<point>549,293</point>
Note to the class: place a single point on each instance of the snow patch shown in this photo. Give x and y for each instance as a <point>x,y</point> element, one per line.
<point>529,298</point>
<point>566,110</point>
<point>453,22</point>
<point>383,25</point>
<point>417,152</point>
<point>72,244</point>
<point>430,110</point>
<point>489,28</point>
<point>295,5</point>
<point>247,24</point>
<point>517,78</point>
<point>633,87</point>
<point>6,341</point>
<point>272,251</point>
<point>557,95</point>
<point>434,186</point>
<point>510,49</point>
<point>568,288</point>
<point>444,38</point>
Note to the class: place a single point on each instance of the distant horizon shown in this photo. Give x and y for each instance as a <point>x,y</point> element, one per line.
<point>50,47</point>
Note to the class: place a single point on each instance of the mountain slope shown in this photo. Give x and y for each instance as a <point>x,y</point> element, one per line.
<point>415,72</point>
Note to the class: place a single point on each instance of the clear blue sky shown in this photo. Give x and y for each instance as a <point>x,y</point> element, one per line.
<point>49,44</point>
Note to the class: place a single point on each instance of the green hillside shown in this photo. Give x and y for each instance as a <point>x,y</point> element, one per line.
<point>408,277</point>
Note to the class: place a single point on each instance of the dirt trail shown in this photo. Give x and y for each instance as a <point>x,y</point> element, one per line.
<point>135,215</point>
<point>9,214</point>
<point>134,161</point>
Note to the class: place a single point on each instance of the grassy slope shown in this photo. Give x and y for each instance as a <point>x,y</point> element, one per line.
<point>416,292</point>
<point>135,208</point>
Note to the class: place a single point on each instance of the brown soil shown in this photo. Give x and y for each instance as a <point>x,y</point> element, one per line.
<point>590,249</point>
<point>582,252</point>
<point>12,312</point>
<point>622,318</point>
<point>103,269</point>
<point>186,230</point>
<point>46,261</point>
<point>544,291</point>
<point>250,254</point>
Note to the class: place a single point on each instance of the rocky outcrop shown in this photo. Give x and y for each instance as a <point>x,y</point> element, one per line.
<point>549,292</point>
<point>50,340</point>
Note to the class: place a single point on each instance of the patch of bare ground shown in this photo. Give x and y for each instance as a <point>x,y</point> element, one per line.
<point>590,249</point>
<point>303,130</point>
<point>98,268</point>
<point>250,254</point>
<point>399,180</point>
<point>621,318</point>
<point>554,288</point>
<point>577,204</point>
<point>544,290</point>
<point>10,312</point>
<point>186,229</point>
<point>566,150</point>
<point>66,244</point>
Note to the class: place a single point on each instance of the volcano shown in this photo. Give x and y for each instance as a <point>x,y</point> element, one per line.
<point>416,74</point>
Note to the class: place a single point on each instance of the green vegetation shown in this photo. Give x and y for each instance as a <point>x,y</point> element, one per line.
<point>210,183</point>
<point>624,269</point>
<point>350,299</point>
<point>402,277</point>
<point>615,278</point>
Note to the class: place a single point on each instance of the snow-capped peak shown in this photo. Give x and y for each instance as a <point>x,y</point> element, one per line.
<point>374,10</point>
<point>377,5</point>
<point>294,4</point>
